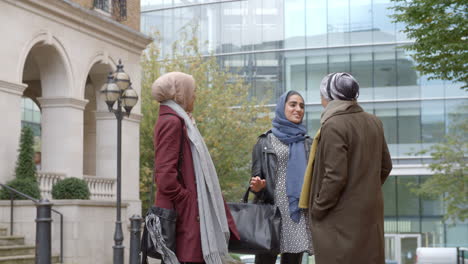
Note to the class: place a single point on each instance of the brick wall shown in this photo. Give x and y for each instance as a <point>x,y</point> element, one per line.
<point>133,11</point>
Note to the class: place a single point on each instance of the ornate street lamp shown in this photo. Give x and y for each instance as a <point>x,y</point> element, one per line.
<point>118,88</point>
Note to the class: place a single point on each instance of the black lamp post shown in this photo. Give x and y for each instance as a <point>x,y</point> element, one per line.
<point>118,88</point>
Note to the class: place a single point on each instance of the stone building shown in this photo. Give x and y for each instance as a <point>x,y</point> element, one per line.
<point>58,53</point>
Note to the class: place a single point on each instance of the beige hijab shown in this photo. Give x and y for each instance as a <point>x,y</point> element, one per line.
<point>177,86</point>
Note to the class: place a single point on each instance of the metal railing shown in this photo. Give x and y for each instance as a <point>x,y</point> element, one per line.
<point>36,202</point>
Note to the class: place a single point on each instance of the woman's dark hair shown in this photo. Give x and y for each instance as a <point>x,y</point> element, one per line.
<point>291,93</point>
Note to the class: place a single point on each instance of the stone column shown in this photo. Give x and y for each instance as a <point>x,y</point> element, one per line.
<point>10,107</point>
<point>131,163</point>
<point>106,154</point>
<point>106,144</point>
<point>62,135</point>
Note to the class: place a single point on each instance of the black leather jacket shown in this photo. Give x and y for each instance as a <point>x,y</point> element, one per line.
<point>264,164</point>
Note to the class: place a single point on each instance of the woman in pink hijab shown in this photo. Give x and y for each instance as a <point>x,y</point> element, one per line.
<point>186,177</point>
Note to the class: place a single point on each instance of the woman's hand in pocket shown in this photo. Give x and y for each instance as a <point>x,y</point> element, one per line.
<point>257,184</point>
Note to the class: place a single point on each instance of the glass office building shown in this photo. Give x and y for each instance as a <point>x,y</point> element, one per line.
<point>277,45</point>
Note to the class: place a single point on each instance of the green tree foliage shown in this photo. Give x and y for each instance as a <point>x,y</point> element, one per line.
<point>71,188</point>
<point>440,30</point>
<point>227,118</point>
<point>25,167</point>
<point>450,178</point>
<point>25,171</point>
<point>26,186</point>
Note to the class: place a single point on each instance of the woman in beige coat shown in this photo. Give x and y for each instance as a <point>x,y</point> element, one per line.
<point>351,164</point>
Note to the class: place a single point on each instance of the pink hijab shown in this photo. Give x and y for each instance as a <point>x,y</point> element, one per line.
<point>177,86</point>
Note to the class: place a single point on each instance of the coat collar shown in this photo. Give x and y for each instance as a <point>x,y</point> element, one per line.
<point>164,109</point>
<point>338,107</point>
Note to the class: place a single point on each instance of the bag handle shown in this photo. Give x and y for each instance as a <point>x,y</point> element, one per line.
<point>245,198</point>
<point>179,162</point>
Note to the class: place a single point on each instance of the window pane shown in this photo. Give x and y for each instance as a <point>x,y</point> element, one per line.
<point>168,34</point>
<point>295,71</point>
<point>210,28</point>
<point>313,114</point>
<point>431,206</point>
<point>408,202</point>
<point>432,230</point>
<point>231,27</point>
<point>407,78</point>
<point>452,89</point>
<point>361,21</point>
<point>431,88</point>
<point>457,234</point>
<point>316,70</point>
<point>254,26</point>
<point>409,128</point>
<point>384,72</point>
<point>384,29</point>
<point>338,22</point>
<point>153,4</point>
<point>294,23</point>
<point>273,27</point>
<point>266,75</point>
<point>338,60</point>
<point>432,121</point>
<point>361,69</point>
<point>36,117</point>
<point>316,23</point>
<point>456,113</point>
<point>389,194</point>
<point>387,113</point>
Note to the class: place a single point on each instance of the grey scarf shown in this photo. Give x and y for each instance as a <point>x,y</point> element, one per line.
<point>213,222</point>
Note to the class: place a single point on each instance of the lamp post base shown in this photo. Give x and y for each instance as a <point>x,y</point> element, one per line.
<point>118,247</point>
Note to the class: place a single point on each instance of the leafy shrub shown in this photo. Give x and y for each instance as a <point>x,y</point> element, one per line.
<point>26,186</point>
<point>71,188</point>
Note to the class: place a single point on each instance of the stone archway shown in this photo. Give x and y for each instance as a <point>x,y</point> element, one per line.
<point>48,74</point>
<point>97,76</point>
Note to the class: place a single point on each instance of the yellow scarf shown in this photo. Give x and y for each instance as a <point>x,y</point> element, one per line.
<point>305,193</point>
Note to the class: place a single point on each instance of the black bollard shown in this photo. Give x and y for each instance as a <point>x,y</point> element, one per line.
<point>43,232</point>
<point>135,238</point>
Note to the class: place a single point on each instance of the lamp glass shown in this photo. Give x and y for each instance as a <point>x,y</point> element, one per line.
<point>129,98</point>
<point>110,92</point>
<point>122,80</point>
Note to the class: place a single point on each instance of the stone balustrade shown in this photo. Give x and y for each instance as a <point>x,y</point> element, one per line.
<point>99,188</point>
<point>46,181</point>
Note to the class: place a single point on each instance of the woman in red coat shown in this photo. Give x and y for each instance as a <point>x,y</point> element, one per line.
<point>204,223</point>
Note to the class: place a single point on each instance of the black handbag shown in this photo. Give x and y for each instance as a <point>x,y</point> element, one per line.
<point>259,227</point>
<point>167,219</point>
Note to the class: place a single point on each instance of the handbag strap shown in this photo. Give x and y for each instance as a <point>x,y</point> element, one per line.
<point>179,162</point>
<point>245,198</point>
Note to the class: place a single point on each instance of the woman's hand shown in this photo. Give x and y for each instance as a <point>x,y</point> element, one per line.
<point>257,184</point>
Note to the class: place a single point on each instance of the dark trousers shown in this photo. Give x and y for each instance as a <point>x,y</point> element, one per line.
<point>286,258</point>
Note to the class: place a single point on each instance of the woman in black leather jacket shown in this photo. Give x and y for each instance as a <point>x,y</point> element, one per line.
<point>279,160</point>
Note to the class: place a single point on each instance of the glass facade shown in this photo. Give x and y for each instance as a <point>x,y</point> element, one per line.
<point>31,116</point>
<point>279,45</point>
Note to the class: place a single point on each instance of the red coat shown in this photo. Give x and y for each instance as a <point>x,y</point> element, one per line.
<point>181,195</point>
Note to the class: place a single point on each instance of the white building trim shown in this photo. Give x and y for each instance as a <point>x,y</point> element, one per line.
<point>12,88</point>
<point>63,102</point>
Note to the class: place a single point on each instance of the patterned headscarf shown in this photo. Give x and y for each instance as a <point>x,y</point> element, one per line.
<point>177,86</point>
<point>339,86</point>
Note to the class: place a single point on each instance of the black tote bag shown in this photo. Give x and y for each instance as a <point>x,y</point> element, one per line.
<point>258,225</point>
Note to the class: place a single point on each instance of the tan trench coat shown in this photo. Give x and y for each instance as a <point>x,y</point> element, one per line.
<point>346,204</point>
